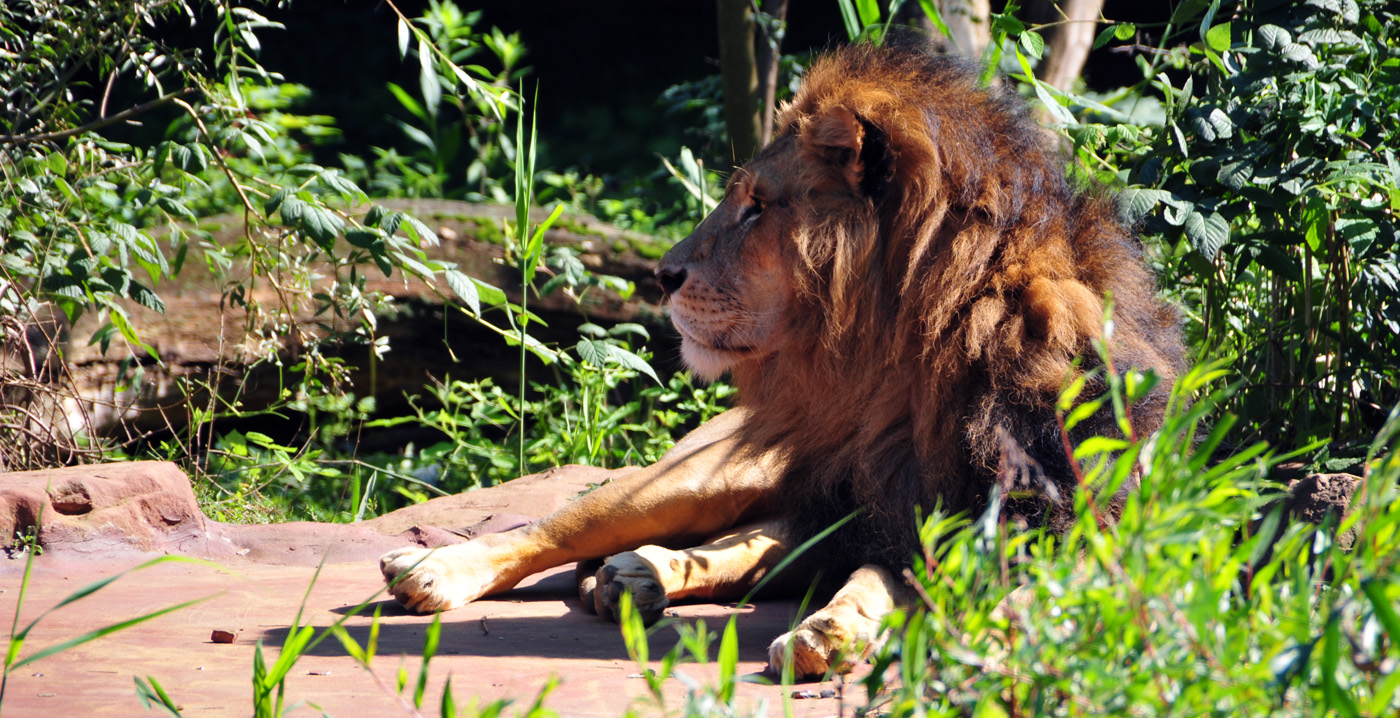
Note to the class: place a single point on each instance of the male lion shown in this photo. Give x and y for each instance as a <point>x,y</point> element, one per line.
<point>899,285</point>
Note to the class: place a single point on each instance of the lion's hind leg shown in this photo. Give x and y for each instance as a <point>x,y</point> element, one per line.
<point>844,631</point>
<point>725,568</point>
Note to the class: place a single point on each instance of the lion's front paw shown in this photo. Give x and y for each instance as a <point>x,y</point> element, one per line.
<point>630,572</point>
<point>828,641</point>
<point>428,580</point>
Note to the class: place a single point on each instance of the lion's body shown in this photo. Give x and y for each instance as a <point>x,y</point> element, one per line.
<point>900,285</point>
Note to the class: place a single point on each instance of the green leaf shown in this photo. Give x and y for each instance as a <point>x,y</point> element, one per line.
<point>1207,232</point>
<point>728,659</point>
<point>322,224</point>
<point>930,9</point>
<point>408,102</point>
<point>427,78</point>
<point>1273,37</point>
<point>869,12</point>
<point>403,33</point>
<point>1235,175</point>
<point>291,210</point>
<point>464,288</point>
<point>1097,445</point>
<point>1334,695</point>
<point>189,158</point>
<point>630,328</point>
<point>1033,43</point>
<point>1124,31</point>
<point>1218,37</point>
<point>152,693</point>
<point>1104,36</point>
<point>275,200</point>
<point>363,238</point>
<point>419,232</point>
<point>631,361</point>
<point>592,352</point>
<point>144,296</point>
<point>430,646</point>
<point>850,19</point>
<point>1315,222</point>
<point>104,631</point>
<point>1081,412</point>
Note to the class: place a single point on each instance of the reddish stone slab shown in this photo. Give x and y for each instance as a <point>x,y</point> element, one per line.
<point>99,521</point>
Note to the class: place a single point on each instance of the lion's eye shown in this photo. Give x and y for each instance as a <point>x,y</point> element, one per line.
<point>753,210</point>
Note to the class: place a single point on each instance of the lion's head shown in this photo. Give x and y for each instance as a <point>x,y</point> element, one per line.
<point>903,276</point>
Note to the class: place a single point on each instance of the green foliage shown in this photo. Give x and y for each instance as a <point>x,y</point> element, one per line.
<point>455,101</point>
<point>1200,601</point>
<point>1275,181</point>
<point>89,225</point>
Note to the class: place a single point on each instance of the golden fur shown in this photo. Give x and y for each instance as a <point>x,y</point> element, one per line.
<point>944,277</point>
<point>899,284</point>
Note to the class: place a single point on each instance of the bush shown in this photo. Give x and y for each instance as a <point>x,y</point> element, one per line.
<point>1272,188</point>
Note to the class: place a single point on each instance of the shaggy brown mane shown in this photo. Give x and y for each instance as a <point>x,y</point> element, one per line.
<point>940,308</point>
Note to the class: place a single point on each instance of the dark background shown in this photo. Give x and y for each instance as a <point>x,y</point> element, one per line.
<point>600,67</point>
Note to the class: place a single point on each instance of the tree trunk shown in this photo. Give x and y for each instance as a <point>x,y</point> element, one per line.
<point>739,72</point>
<point>1068,44</point>
<point>969,23</point>
<point>769,42</point>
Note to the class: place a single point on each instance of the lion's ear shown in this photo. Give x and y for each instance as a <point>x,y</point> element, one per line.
<point>853,146</point>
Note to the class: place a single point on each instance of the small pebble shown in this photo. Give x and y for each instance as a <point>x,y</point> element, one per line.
<point>222,636</point>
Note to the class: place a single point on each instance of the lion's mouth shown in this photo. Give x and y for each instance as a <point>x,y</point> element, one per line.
<point>719,345</point>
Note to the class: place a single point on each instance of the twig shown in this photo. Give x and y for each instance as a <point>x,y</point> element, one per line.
<point>95,124</point>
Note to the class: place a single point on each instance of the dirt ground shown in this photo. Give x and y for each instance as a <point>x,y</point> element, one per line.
<point>253,579</point>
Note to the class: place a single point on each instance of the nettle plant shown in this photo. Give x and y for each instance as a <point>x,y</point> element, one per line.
<point>1275,178</point>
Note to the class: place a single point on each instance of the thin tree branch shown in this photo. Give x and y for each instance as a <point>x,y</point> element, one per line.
<point>100,122</point>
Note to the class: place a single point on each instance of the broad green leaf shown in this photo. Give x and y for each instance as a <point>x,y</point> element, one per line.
<point>291,210</point>
<point>275,201</point>
<point>1218,37</point>
<point>1273,37</point>
<point>419,232</point>
<point>322,224</point>
<point>1235,175</point>
<point>1033,43</point>
<point>1315,222</point>
<point>144,296</point>
<point>631,361</point>
<point>464,288</point>
<point>1207,232</point>
<point>363,238</point>
<point>591,351</point>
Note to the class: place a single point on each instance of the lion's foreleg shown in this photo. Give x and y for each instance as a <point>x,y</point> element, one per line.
<point>727,567</point>
<point>703,486</point>
<point>842,632</point>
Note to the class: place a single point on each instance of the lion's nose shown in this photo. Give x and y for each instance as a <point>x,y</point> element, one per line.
<point>671,279</point>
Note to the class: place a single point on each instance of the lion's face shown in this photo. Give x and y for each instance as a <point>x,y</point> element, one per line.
<point>731,282</point>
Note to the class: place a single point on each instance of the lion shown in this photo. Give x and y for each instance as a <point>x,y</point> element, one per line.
<point>899,285</point>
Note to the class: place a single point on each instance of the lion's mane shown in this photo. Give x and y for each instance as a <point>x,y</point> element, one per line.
<point>943,308</point>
